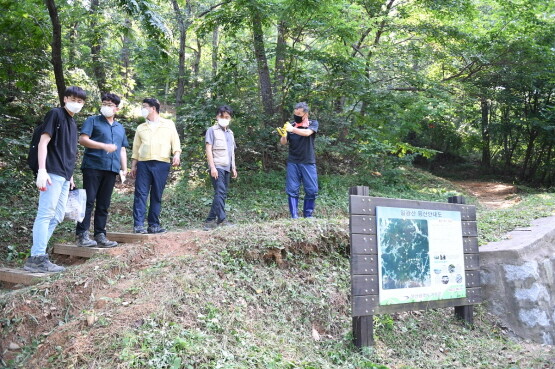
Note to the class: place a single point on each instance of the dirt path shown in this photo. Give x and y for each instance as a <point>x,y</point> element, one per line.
<point>90,292</point>
<point>492,195</point>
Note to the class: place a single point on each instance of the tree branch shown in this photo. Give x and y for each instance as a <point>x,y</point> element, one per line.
<point>380,30</point>
<point>360,41</point>
<point>460,72</point>
<point>213,7</point>
<point>412,89</point>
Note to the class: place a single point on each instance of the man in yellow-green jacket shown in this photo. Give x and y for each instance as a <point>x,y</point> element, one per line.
<point>156,146</point>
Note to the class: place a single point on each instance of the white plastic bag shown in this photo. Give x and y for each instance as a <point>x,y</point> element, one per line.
<point>76,205</point>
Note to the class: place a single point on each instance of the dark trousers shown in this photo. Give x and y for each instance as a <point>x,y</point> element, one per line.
<point>151,177</point>
<point>99,185</point>
<point>305,174</point>
<point>221,184</point>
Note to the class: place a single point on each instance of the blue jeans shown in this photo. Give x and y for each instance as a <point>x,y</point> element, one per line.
<point>51,211</point>
<point>305,173</point>
<point>151,177</point>
<point>220,184</point>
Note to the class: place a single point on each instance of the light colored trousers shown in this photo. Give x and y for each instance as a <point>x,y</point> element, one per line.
<point>51,211</point>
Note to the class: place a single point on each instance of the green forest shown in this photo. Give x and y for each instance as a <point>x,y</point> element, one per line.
<point>410,96</point>
<point>393,81</point>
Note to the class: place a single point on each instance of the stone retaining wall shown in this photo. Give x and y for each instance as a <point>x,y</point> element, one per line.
<point>518,279</point>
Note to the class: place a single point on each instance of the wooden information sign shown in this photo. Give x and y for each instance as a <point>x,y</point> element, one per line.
<point>411,255</point>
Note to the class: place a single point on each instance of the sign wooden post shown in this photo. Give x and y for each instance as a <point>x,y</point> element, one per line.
<point>432,279</point>
<point>466,312</point>
<point>363,328</point>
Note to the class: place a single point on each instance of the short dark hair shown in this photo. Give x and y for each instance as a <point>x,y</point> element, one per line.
<point>77,92</point>
<point>302,105</point>
<point>153,102</point>
<point>224,109</point>
<point>111,97</point>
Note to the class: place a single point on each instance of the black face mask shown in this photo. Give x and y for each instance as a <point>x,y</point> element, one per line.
<point>298,118</point>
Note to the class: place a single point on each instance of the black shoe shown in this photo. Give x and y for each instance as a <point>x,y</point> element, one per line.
<point>83,240</point>
<point>42,264</point>
<point>104,242</point>
<point>210,224</point>
<point>139,229</point>
<point>156,229</point>
<point>225,223</point>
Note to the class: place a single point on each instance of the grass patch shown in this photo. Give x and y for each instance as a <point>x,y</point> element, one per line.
<point>269,293</point>
<point>260,197</point>
<point>232,307</point>
<point>493,224</point>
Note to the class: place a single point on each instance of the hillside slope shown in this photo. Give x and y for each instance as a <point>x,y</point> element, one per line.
<point>268,295</point>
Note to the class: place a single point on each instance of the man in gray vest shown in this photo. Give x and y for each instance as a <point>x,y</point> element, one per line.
<point>220,154</point>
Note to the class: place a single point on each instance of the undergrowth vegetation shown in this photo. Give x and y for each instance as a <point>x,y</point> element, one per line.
<point>235,305</point>
<point>257,197</point>
<point>492,224</point>
<point>254,197</point>
<point>268,293</point>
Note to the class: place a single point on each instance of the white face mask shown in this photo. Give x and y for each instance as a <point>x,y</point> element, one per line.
<point>223,122</point>
<point>107,111</point>
<point>74,107</point>
<point>145,112</point>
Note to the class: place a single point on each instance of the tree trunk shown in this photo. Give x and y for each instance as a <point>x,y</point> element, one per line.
<point>280,69</point>
<point>547,162</point>
<point>96,48</point>
<point>166,92</point>
<point>380,29</point>
<point>183,26</point>
<point>529,151</point>
<point>72,46</point>
<point>530,112</point>
<point>264,80</point>
<point>343,130</point>
<point>196,62</point>
<point>506,135</point>
<point>544,151</point>
<point>125,62</point>
<point>486,154</point>
<point>215,41</point>
<point>57,49</point>
<point>363,108</point>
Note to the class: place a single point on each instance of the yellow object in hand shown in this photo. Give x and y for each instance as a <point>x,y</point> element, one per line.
<point>283,131</point>
<point>288,127</point>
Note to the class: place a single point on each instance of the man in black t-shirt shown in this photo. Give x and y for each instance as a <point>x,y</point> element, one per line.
<point>57,153</point>
<point>301,162</point>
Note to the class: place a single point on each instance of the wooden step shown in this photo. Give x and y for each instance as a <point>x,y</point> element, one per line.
<point>20,276</point>
<point>128,237</point>
<point>74,250</point>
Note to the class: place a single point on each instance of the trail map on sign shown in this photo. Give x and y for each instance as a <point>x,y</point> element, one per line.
<point>420,255</point>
